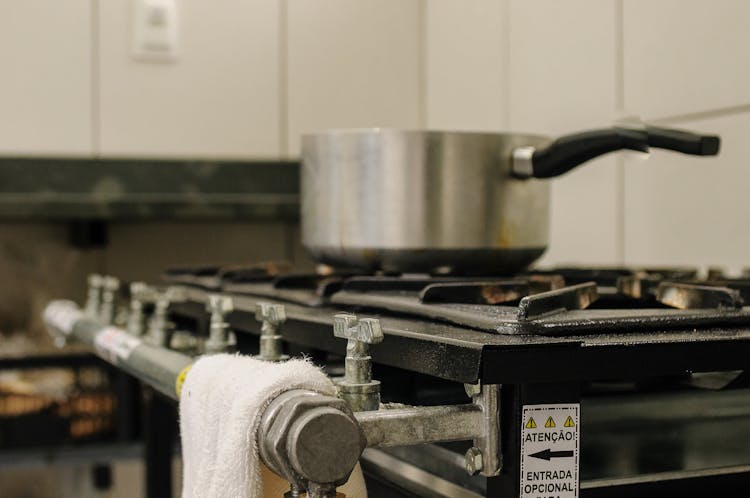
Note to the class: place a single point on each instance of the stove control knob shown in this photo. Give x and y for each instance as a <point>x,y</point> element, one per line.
<point>272,316</point>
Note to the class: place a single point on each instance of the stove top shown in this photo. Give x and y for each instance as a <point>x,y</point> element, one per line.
<point>557,302</point>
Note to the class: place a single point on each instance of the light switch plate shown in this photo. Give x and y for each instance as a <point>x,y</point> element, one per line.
<point>155,30</point>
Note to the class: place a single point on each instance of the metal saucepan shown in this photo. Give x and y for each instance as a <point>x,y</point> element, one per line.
<point>426,201</point>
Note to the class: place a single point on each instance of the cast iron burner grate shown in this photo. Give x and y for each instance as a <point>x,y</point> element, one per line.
<point>562,301</point>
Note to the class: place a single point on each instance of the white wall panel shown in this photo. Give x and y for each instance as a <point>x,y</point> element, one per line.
<point>562,79</point>
<point>686,210</point>
<point>685,56</point>
<point>353,64</point>
<point>221,96</point>
<point>45,77</point>
<point>466,64</point>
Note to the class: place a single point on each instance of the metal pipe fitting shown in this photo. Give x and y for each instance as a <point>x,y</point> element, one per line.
<point>417,424</point>
<point>156,366</point>
<point>218,333</point>
<point>140,294</point>
<point>310,439</point>
<point>357,387</point>
<point>272,316</point>
<point>93,296</point>
<point>159,326</point>
<point>110,287</point>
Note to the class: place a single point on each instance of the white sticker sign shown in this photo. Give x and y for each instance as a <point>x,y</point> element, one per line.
<point>115,345</point>
<point>550,450</point>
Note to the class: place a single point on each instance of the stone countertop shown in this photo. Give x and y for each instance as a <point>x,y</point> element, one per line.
<point>47,188</point>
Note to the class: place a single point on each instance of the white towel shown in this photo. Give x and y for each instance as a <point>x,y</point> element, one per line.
<point>221,405</point>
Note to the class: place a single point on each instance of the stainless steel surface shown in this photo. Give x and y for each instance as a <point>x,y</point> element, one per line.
<point>272,317</point>
<point>523,165</point>
<point>418,200</point>
<point>358,387</point>
<point>420,424</point>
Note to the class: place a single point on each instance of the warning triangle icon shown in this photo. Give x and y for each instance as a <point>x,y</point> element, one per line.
<point>530,424</point>
<point>549,423</point>
<point>569,422</point>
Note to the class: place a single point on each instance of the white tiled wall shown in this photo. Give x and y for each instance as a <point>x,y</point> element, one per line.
<point>352,64</point>
<point>45,77</point>
<point>562,76</point>
<point>253,75</point>
<point>685,56</point>
<point>565,66</point>
<point>219,98</point>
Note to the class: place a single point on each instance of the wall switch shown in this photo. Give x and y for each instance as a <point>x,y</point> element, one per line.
<point>155,30</point>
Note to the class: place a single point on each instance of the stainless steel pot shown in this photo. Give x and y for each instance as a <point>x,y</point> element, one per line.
<point>425,201</point>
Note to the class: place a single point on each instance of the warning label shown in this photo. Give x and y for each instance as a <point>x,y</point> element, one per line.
<point>550,447</point>
<point>115,345</point>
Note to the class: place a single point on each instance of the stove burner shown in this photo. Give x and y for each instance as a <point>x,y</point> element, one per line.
<point>562,301</point>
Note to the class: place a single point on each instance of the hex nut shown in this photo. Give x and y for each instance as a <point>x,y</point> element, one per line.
<point>474,461</point>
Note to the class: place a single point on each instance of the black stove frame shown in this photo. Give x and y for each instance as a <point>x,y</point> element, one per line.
<point>532,369</point>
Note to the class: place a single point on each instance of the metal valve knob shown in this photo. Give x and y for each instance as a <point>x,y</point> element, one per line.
<point>218,333</point>
<point>93,296</point>
<point>110,287</point>
<point>140,294</point>
<point>358,387</point>
<point>159,327</point>
<point>272,316</point>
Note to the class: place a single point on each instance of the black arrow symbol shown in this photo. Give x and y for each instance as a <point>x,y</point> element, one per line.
<point>548,454</point>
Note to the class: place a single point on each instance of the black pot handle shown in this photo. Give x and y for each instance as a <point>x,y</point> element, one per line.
<point>569,151</point>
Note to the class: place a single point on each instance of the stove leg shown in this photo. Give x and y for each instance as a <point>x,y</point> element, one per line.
<point>159,433</point>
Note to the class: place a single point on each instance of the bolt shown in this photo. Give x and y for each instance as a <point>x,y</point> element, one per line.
<point>272,316</point>
<point>474,461</point>
<point>158,326</point>
<point>93,295</point>
<point>357,387</point>
<point>473,389</point>
<point>138,294</point>
<point>218,336</point>
<point>110,286</point>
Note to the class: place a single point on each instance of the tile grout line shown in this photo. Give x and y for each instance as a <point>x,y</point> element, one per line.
<point>620,180</point>
<point>700,115</point>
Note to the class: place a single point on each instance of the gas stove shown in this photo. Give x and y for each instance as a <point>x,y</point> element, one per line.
<point>653,356</point>
<point>579,381</point>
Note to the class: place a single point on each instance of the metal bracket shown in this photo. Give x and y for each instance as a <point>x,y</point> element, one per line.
<point>485,457</point>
